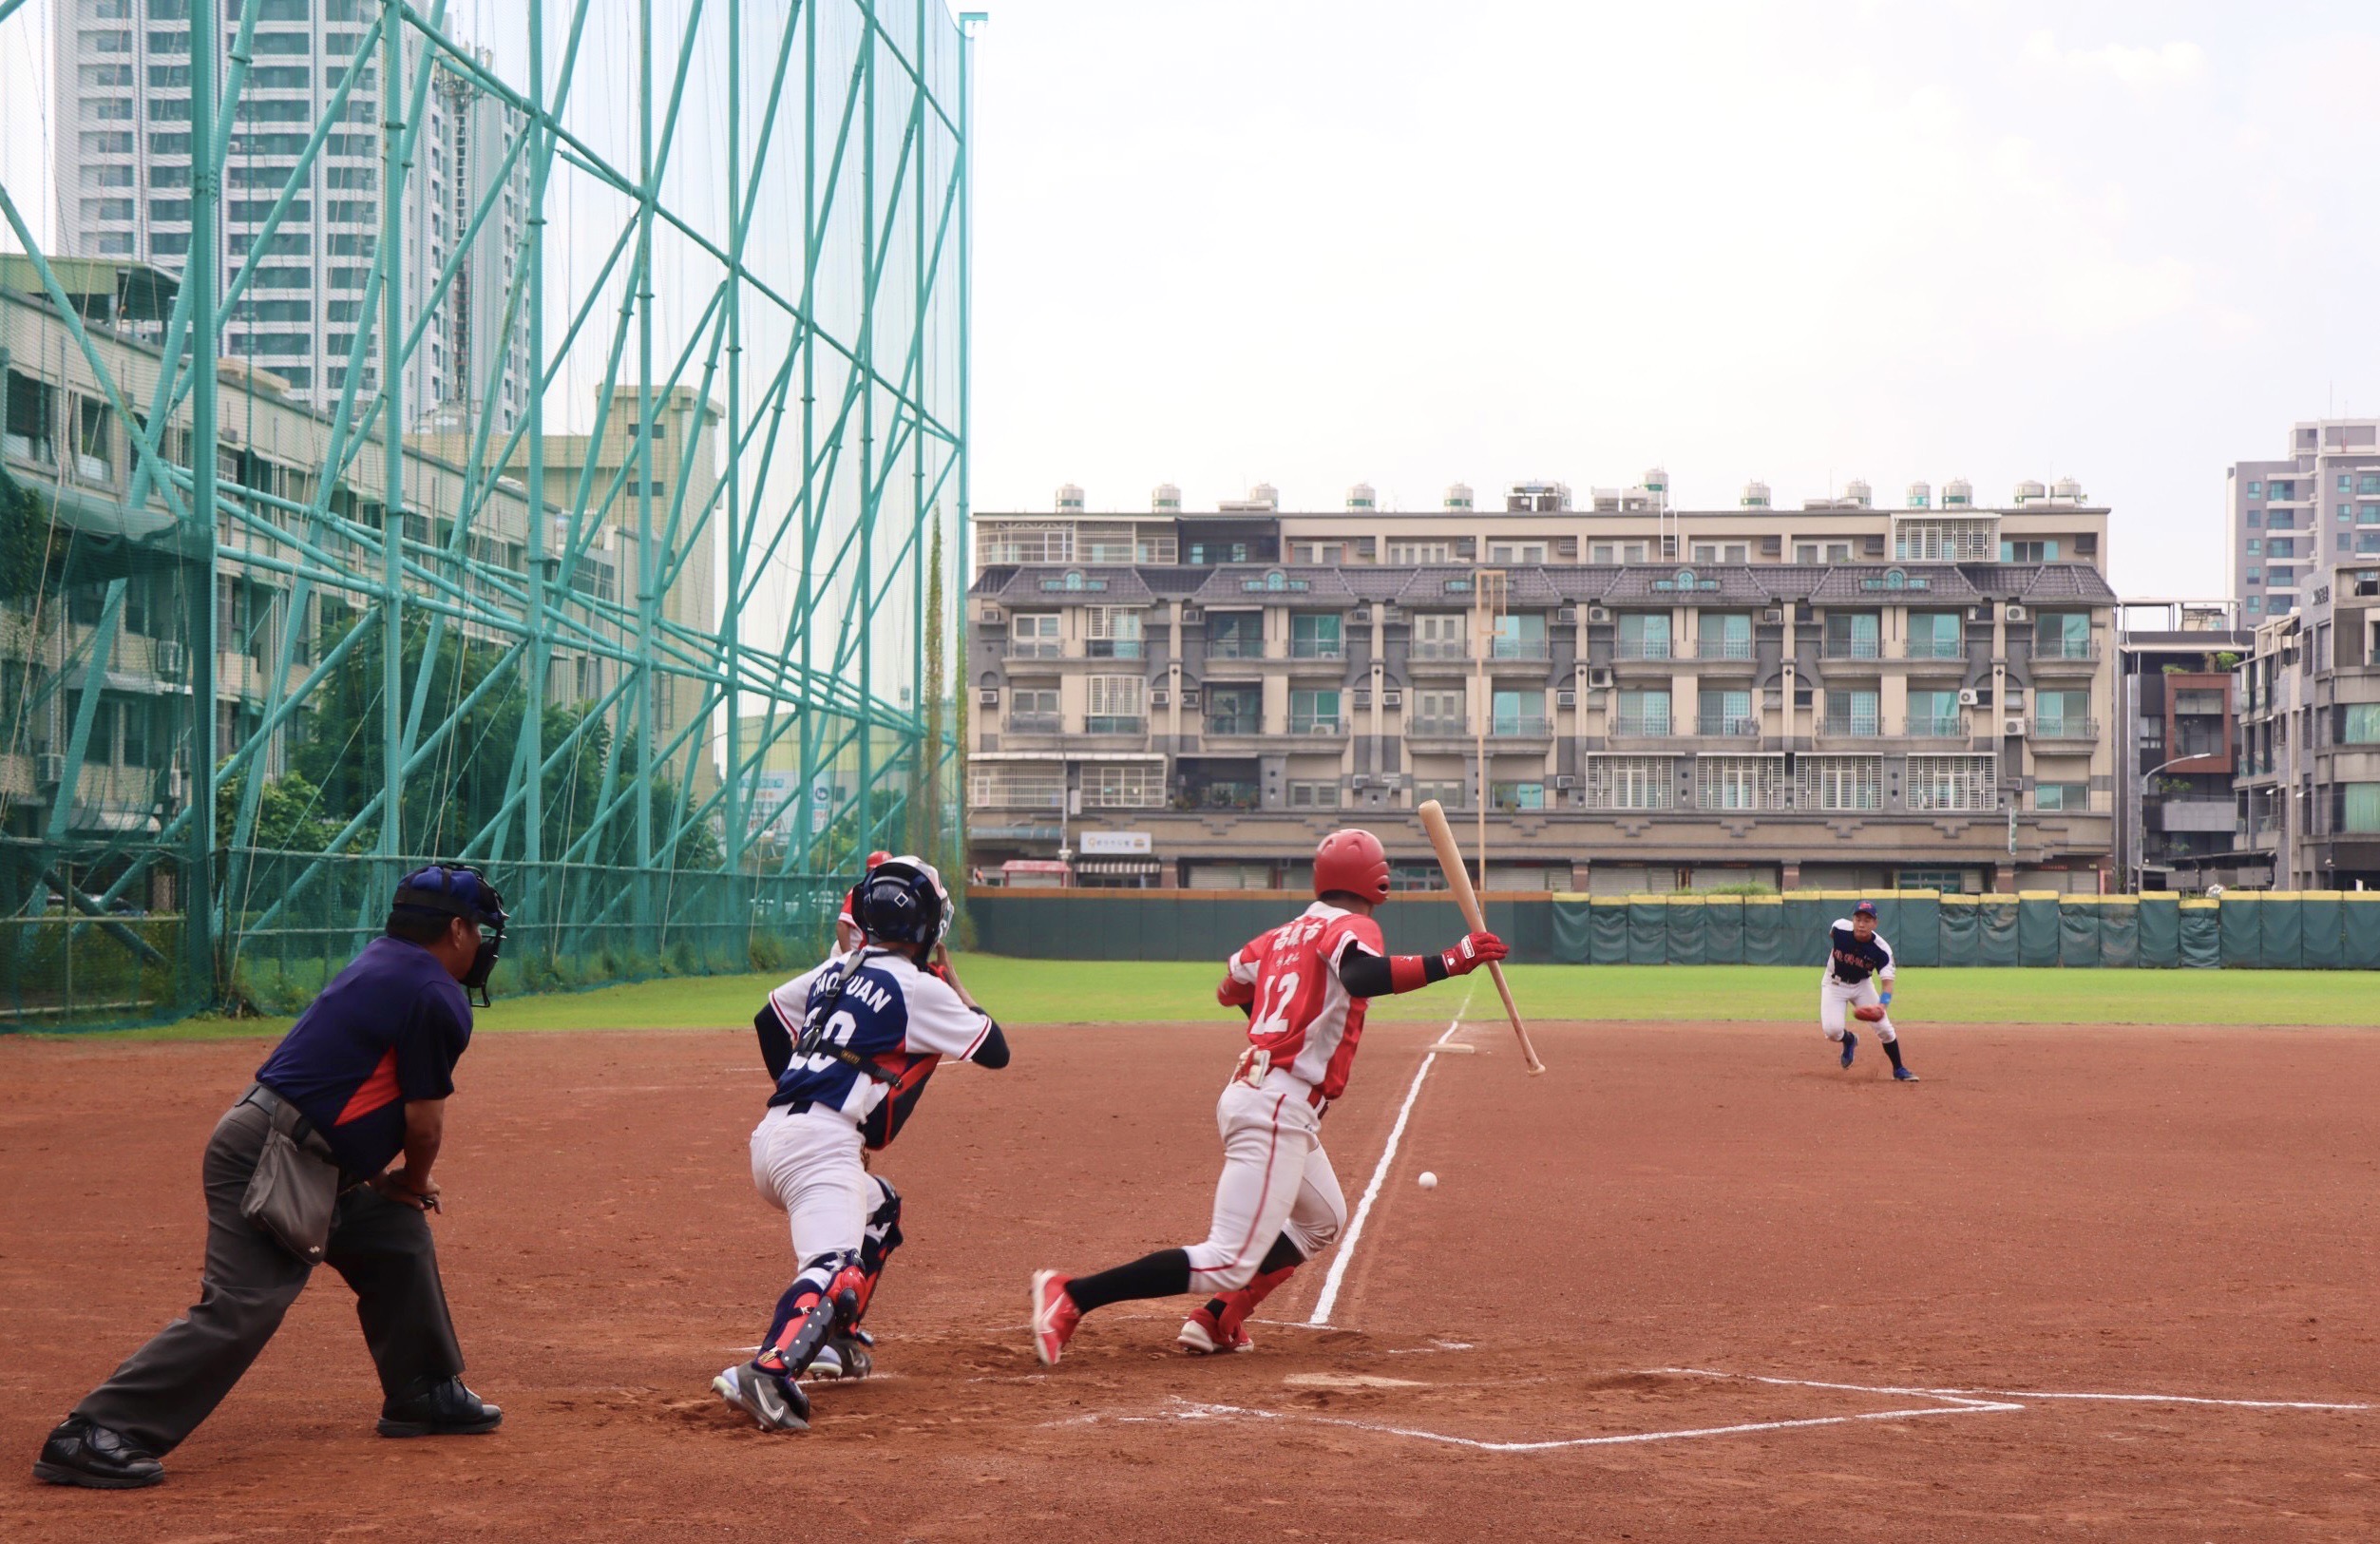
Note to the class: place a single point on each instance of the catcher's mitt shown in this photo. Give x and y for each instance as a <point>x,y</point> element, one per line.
<point>1868,1012</point>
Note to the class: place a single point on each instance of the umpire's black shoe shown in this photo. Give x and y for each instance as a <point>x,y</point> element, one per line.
<point>440,1407</point>
<point>79,1452</point>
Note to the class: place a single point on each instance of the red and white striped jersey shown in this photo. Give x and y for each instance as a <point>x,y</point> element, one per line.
<point>1303,1016</point>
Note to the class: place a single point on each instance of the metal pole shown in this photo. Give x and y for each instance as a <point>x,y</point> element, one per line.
<point>198,557</point>
<point>731,621</point>
<point>390,251</point>
<point>533,728</point>
<point>648,570</point>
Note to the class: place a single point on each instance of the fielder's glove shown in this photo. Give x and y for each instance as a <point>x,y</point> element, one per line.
<point>1473,952</point>
<point>1868,1012</point>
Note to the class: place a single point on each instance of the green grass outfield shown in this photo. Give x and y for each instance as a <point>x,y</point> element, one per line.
<point>1084,991</point>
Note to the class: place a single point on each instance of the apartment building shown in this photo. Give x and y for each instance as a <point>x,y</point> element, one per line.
<point>2309,776</point>
<point>1635,697</point>
<point>2295,515</point>
<point>2176,692</point>
<point>122,78</point>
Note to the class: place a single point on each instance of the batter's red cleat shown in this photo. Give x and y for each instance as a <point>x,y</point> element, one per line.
<point>1054,1316</point>
<point>1203,1335</point>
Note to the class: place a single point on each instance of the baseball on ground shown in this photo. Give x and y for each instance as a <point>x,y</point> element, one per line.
<point>1428,1180</point>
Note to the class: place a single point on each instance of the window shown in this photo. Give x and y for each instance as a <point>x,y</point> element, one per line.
<point>31,428</point>
<point>1439,636</point>
<point>1947,881</point>
<point>1034,635</point>
<point>1727,710</point>
<point>2065,714</point>
<point>2281,547</point>
<point>1617,552</point>
<point>2254,576</point>
<point>1133,785</point>
<point>1033,710</point>
<point>2029,552</point>
<point>1237,709</point>
<point>94,438</point>
<point>1009,785</point>
<point>1454,794</point>
<point>1520,713</point>
<point>2061,635</point>
<point>2363,724</point>
<point>2256,491</point>
<point>1314,796</point>
<point>1643,711</point>
<point>1740,782</point>
<point>1935,713</point>
<point>1235,635</point>
<point>1725,635</point>
<point>136,750</point>
<point>1112,633</point>
<point>2359,806</point>
<point>2256,519</point>
<point>2256,548</point>
<point>1438,711</point>
<point>1314,711</point>
<point>1520,635</point>
<point>1630,783</point>
<point>1643,635</point>
<point>1421,552</point>
<point>1840,782</point>
<point>1935,635</point>
<point>2070,799</point>
<point>107,209</point>
<point>2347,514</point>
<point>1854,712</point>
<point>1952,783</point>
<point>1112,704</point>
<point>2368,482</point>
<point>1518,796</point>
<point>1517,551</point>
<point>1316,635</point>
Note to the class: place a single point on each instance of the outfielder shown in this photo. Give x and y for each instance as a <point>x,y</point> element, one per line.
<point>1304,986</point>
<point>852,1044</point>
<point>1858,961</point>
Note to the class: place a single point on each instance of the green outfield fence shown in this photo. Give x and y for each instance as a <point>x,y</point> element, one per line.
<point>2268,930</point>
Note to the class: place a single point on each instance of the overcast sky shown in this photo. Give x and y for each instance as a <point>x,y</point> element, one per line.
<point>1313,243</point>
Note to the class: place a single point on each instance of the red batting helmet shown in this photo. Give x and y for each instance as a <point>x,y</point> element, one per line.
<point>1353,861</point>
<point>875,858</point>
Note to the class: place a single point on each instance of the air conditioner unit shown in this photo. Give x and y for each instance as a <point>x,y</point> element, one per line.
<point>2012,728</point>
<point>2016,613</point>
<point>1979,613</point>
<point>49,769</point>
<point>1599,676</point>
<point>1566,699</point>
<point>1970,698</point>
<point>1566,615</point>
<point>1774,617</point>
<point>989,696</point>
<point>1363,615</point>
<point>1193,614</point>
<point>1598,614</point>
<point>1363,697</point>
<point>1189,697</point>
<point>1392,698</point>
<point>1565,780</point>
<point>171,659</point>
<point>1361,780</point>
<point>991,614</point>
<point>1160,697</point>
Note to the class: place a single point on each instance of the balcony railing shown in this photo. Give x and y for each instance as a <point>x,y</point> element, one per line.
<point>1036,723</point>
<point>2066,729</point>
<point>1937,726</point>
<point>2080,651</point>
<point>1851,726</point>
<point>1441,648</point>
<point>1518,648</point>
<point>1519,725</point>
<point>1318,648</point>
<point>1934,648</point>
<point>1640,726</point>
<point>1235,724</point>
<point>1722,648</point>
<point>1728,725</point>
<point>1232,646</point>
<point>1642,648</point>
<point>1852,648</point>
<point>1318,724</point>
<point>1114,648</point>
<point>1116,723</point>
<point>1442,727</point>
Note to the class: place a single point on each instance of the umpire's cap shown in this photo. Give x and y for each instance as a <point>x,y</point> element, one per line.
<point>901,901</point>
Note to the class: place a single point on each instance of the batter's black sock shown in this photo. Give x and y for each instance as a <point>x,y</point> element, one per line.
<point>1892,1049</point>
<point>1165,1273</point>
<point>1281,1255</point>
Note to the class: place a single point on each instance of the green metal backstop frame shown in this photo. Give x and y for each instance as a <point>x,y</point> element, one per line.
<point>771,220</point>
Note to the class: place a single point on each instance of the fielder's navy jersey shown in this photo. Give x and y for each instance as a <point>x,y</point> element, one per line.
<point>899,1020</point>
<point>1852,960</point>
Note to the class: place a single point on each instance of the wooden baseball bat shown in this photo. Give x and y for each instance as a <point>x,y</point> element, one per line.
<point>1450,859</point>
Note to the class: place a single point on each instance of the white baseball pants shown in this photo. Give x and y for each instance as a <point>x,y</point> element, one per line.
<point>1276,1178</point>
<point>1836,1000</point>
<point>807,1165</point>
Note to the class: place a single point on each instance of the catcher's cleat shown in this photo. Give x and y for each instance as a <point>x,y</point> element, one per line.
<point>1851,1046</point>
<point>1902,1075</point>
<point>842,1358</point>
<point>1054,1316</point>
<point>770,1397</point>
<point>1203,1335</point>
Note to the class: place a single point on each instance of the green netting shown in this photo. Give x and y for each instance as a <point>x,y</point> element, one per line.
<point>1570,929</point>
<point>2359,929</point>
<point>2280,932</point>
<point>1808,918</point>
<point>2243,947</point>
<point>1647,932</point>
<point>1723,930</point>
<point>2200,927</point>
<point>1607,924</point>
<point>2324,942</point>
<point>1767,940</point>
<point>2160,925</point>
<point>1959,941</point>
<point>1999,931</point>
<point>2078,935</point>
<point>1689,932</point>
<point>2119,934</point>
<point>2037,930</point>
<point>1917,933</point>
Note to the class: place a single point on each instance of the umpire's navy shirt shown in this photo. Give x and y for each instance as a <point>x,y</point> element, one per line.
<point>389,1028</point>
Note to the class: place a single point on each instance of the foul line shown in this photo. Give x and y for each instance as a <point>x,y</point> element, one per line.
<point>2016,1393</point>
<point>1379,1174</point>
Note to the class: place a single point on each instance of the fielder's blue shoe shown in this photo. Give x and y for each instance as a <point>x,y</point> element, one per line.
<point>1902,1075</point>
<point>1851,1046</point>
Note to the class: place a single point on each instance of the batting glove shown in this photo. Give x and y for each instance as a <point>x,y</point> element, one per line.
<point>1473,952</point>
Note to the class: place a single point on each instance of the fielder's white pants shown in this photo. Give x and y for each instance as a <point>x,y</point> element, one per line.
<point>1836,1000</point>
<point>1276,1179</point>
<point>807,1165</point>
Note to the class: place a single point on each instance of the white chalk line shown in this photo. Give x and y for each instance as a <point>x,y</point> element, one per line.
<point>2017,1393</point>
<point>1337,1275</point>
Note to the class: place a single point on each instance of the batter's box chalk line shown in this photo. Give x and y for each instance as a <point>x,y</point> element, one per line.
<point>1941,1402</point>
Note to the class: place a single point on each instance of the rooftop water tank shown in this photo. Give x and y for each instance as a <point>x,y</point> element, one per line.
<point>1265,496</point>
<point>2066,488</point>
<point>1656,481</point>
<point>1958,494</point>
<point>1857,492</point>
<point>1921,495</point>
<point>1361,497</point>
<point>1069,499</point>
<point>1167,500</point>
<point>2030,491</point>
<point>1755,495</point>
<point>1459,496</point>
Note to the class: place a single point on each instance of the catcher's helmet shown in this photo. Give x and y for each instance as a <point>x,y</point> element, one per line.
<point>877,857</point>
<point>901,901</point>
<point>1352,861</point>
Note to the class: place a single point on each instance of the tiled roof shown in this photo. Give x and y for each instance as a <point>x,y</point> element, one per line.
<point>1688,584</point>
<point>1873,583</point>
<point>1275,584</point>
<point>1049,584</point>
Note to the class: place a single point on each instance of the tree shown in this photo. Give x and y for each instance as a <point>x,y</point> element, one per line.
<point>24,539</point>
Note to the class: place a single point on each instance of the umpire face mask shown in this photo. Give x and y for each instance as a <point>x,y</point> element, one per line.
<point>463,892</point>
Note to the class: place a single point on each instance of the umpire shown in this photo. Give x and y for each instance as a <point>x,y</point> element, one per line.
<point>359,1080</point>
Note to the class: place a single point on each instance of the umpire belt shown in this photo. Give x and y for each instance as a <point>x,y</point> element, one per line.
<point>284,1114</point>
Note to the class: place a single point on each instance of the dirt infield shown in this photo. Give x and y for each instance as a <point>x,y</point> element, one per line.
<point>1695,1283</point>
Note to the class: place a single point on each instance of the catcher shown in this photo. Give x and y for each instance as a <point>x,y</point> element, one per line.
<point>1858,984</point>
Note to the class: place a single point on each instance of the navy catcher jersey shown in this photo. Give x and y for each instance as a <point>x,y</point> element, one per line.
<point>888,1014</point>
<point>1853,962</point>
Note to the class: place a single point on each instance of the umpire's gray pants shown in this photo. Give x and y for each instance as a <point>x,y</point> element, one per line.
<point>383,1248</point>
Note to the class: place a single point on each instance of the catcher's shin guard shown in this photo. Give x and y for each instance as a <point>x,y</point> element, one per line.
<point>826,1293</point>
<point>876,1245</point>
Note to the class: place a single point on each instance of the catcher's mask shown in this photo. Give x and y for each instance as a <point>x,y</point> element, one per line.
<point>901,901</point>
<point>457,890</point>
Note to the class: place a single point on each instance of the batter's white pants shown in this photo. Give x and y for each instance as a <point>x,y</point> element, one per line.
<point>1276,1179</point>
<point>807,1165</point>
<point>1836,999</point>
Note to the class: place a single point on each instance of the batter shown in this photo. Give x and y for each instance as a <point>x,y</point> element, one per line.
<point>1304,986</point>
